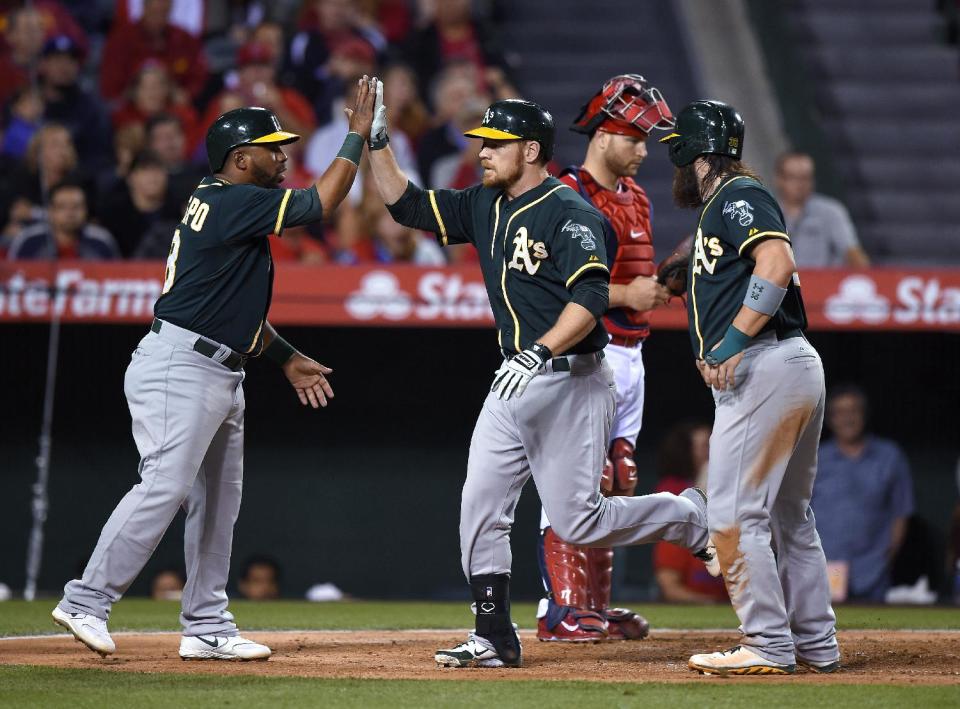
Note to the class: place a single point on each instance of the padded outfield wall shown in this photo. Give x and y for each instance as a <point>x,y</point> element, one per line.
<point>366,492</point>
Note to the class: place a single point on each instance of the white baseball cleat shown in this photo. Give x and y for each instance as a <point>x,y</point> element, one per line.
<point>476,652</point>
<point>87,629</point>
<point>737,661</point>
<point>219,647</point>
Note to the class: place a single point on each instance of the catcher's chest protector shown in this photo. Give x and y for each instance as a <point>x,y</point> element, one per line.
<point>628,211</point>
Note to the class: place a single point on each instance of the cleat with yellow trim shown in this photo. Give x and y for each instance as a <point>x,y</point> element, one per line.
<point>737,661</point>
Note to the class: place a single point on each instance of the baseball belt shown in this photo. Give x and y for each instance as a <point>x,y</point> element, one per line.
<point>233,362</point>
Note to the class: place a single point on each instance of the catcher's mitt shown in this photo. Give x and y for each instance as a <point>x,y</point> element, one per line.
<point>672,271</point>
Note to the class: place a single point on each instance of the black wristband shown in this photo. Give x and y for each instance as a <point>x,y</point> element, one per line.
<point>279,350</point>
<point>542,351</point>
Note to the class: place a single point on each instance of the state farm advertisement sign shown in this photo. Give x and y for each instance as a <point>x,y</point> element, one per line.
<point>879,299</point>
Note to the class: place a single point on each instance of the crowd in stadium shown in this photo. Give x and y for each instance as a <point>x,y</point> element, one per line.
<point>106,107</point>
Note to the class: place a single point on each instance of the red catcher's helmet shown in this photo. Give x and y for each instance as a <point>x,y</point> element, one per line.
<point>627,105</point>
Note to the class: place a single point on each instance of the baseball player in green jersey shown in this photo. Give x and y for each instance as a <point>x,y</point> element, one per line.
<point>184,382</point>
<point>550,409</point>
<point>746,321</point>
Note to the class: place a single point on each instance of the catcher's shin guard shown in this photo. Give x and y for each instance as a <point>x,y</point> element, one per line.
<point>619,479</point>
<point>624,467</point>
<point>563,568</point>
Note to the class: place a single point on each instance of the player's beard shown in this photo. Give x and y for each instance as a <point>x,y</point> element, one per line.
<point>506,179</point>
<point>686,188</point>
<point>263,178</point>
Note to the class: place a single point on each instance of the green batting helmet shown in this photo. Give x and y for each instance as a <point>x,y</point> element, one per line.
<point>514,119</point>
<point>705,127</point>
<point>243,126</point>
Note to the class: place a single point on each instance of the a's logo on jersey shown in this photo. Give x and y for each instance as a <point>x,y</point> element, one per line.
<point>578,231</point>
<point>523,259</point>
<point>741,211</point>
<point>700,247</point>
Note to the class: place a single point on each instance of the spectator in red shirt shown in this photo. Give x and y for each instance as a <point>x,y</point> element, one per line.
<point>682,462</point>
<point>257,86</point>
<point>151,94</point>
<point>152,37</point>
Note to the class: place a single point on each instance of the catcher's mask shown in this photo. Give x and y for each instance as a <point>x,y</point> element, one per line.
<point>626,105</point>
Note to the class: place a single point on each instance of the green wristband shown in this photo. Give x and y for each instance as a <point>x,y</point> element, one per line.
<point>733,343</point>
<point>352,148</point>
<point>279,350</point>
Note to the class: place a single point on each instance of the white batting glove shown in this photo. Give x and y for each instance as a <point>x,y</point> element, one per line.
<point>515,373</point>
<point>378,132</point>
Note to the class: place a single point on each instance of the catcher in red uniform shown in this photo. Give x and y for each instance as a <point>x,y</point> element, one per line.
<point>618,120</point>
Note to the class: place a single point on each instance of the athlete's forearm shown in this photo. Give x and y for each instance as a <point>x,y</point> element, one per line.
<point>275,347</point>
<point>335,183</point>
<point>618,295</point>
<point>391,182</point>
<point>575,323</point>
<point>774,263</point>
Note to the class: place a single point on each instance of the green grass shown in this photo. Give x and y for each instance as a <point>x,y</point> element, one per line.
<point>101,689</point>
<point>28,618</point>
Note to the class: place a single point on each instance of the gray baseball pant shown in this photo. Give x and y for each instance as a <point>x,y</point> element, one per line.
<point>557,432</point>
<point>187,412</point>
<point>763,462</point>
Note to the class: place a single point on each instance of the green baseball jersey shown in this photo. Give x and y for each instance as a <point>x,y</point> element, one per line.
<point>739,215</point>
<point>219,277</point>
<point>533,249</point>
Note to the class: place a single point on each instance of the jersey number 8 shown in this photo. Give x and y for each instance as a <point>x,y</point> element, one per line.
<point>171,271</point>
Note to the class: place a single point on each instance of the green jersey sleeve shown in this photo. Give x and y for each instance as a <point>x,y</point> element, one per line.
<point>750,215</point>
<point>251,212</point>
<point>446,213</point>
<point>579,250</point>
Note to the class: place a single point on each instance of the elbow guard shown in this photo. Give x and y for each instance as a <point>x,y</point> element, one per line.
<point>593,294</point>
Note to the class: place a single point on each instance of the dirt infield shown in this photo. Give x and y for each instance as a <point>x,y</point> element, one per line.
<point>870,657</point>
